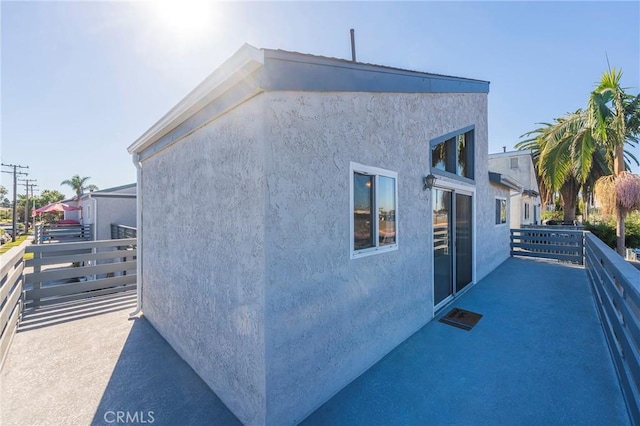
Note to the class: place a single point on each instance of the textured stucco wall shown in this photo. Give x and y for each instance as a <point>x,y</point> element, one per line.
<point>121,211</point>
<point>203,255</point>
<point>328,317</point>
<point>246,264</point>
<point>492,243</point>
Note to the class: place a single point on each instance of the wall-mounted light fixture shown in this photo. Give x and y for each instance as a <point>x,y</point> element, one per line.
<point>429,180</point>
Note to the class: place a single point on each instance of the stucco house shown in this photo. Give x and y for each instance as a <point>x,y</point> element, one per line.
<point>104,207</point>
<point>525,202</point>
<point>305,244</point>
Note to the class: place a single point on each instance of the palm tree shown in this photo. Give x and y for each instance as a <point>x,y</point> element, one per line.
<point>614,117</point>
<point>583,146</point>
<point>566,159</point>
<point>79,185</point>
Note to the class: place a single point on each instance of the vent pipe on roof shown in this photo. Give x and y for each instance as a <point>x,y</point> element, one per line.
<point>504,149</point>
<point>353,45</point>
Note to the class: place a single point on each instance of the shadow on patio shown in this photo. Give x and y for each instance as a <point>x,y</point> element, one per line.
<point>86,363</point>
<point>538,356</point>
<point>152,384</point>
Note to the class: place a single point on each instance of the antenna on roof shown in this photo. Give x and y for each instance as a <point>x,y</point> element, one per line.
<point>353,45</point>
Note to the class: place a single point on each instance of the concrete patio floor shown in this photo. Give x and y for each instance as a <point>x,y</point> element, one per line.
<point>538,356</point>
<point>82,363</point>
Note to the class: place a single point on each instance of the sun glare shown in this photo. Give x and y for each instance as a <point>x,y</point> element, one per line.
<point>185,19</point>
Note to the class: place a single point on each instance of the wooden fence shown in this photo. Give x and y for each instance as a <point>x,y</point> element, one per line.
<point>52,233</point>
<point>123,231</point>
<point>71,271</point>
<point>11,302</point>
<point>616,288</point>
<point>556,243</point>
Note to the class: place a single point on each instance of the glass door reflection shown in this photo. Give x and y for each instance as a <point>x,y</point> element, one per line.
<point>463,245</point>
<point>442,240</point>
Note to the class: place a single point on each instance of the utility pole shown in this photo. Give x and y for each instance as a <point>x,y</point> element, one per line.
<point>34,201</point>
<point>26,202</point>
<point>15,192</point>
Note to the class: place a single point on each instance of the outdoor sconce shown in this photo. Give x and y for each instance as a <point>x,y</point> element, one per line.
<point>429,180</point>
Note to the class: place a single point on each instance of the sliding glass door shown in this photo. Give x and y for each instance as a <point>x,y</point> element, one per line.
<point>452,243</point>
<point>442,239</point>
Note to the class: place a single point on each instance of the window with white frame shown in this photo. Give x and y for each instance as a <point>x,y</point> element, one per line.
<point>501,211</point>
<point>374,204</point>
<point>453,153</point>
<point>527,211</point>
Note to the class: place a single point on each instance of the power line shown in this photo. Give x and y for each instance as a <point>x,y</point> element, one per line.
<point>26,202</point>
<point>15,191</point>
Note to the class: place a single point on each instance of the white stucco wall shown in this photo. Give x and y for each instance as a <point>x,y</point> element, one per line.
<point>492,240</point>
<point>203,255</point>
<point>328,318</point>
<point>246,264</point>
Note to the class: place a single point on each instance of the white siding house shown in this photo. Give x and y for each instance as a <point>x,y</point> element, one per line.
<point>308,246</point>
<point>525,203</point>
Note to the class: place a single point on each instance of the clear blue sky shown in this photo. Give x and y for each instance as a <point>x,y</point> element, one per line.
<point>81,80</point>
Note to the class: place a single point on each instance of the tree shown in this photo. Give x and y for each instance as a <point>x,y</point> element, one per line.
<point>580,148</point>
<point>614,117</point>
<point>566,159</point>
<point>3,191</point>
<point>49,196</point>
<point>78,184</point>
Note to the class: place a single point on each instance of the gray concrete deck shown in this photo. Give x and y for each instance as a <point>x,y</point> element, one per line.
<point>82,363</point>
<point>538,356</point>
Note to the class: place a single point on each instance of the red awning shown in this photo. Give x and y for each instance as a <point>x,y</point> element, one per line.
<point>57,207</point>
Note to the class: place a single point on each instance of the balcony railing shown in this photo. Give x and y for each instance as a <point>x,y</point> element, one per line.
<point>616,288</point>
<point>11,298</point>
<point>61,273</point>
<point>123,231</point>
<point>52,233</point>
<point>555,243</point>
<point>615,285</point>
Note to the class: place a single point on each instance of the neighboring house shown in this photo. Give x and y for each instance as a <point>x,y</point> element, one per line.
<point>105,207</point>
<point>72,214</point>
<point>524,202</point>
<point>287,242</point>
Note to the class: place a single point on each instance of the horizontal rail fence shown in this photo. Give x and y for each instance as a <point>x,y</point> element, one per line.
<point>577,227</point>
<point>11,301</point>
<point>123,231</point>
<point>52,233</point>
<point>616,288</point>
<point>560,244</point>
<point>70,271</point>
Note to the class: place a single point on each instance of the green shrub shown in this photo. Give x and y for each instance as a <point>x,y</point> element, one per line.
<point>605,229</point>
<point>552,215</point>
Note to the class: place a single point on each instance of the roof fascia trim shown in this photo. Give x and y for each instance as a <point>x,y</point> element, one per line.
<point>243,63</point>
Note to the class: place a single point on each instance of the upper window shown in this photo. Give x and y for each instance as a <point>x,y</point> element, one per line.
<point>453,153</point>
<point>374,195</point>
<point>501,211</point>
<point>513,163</point>
<point>527,211</point>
